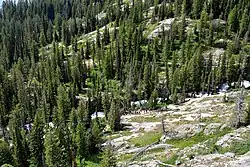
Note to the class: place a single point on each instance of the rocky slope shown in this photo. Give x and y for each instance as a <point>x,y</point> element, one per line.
<point>197,133</point>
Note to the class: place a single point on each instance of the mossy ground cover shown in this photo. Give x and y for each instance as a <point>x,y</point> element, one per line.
<point>146,139</point>
<point>201,137</point>
<point>156,150</point>
<point>125,157</point>
<point>171,160</point>
<point>117,135</point>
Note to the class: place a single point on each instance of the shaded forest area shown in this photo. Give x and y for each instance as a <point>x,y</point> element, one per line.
<point>53,77</point>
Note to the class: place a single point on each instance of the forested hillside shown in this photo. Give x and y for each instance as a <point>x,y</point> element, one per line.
<point>64,61</point>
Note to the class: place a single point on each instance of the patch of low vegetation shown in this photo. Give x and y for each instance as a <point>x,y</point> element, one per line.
<point>111,137</point>
<point>125,133</point>
<point>92,164</point>
<point>117,134</point>
<point>124,157</point>
<point>93,161</point>
<point>146,139</point>
<point>214,119</point>
<point>141,119</point>
<point>239,148</point>
<point>162,104</point>
<point>172,159</point>
<point>201,137</point>
<point>156,150</point>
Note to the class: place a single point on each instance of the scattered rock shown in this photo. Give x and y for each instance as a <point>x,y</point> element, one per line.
<point>146,126</point>
<point>235,136</point>
<point>177,162</point>
<point>215,160</point>
<point>184,121</point>
<point>230,154</point>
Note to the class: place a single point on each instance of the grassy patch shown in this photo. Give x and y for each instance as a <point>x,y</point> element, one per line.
<point>146,139</point>
<point>125,157</point>
<point>93,161</point>
<point>239,148</point>
<point>141,119</point>
<point>156,150</point>
<point>247,98</point>
<point>116,135</point>
<point>172,159</point>
<point>125,133</point>
<point>211,119</point>
<point>201,137</point>
<point>163,104</point>
<point>92,164</point>
<point>111,137</point>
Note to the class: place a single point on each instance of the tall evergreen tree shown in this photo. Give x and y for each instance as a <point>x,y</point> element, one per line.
<point>55,154</point>
<point>36,141</point>
<point>108,157</point>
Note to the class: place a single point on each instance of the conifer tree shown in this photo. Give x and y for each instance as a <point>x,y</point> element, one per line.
<point>197,7</point>
<point>5,154</point>
<point>108,157</point>
<point>83,113</point>
<point>36,141</point>
<point>244,22</point>
<point>231,70</point>
<point>233,20</point>
<point>55,152</point>
<point>63,103</point>
<point>183,20</point>
<point>174,97</point>
<point>153,99</point>
<point>3,112</point>
<point>114,115</point>
<point>19,147</point>
<point>82,142</point>
<point>42,39</point>
<point>146,80</point>
<point>96,134</point>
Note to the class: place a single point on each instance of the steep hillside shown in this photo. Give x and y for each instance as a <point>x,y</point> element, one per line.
<point>133,82</point>
<point>197,133</point>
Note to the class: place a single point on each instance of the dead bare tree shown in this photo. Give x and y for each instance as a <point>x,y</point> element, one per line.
<point>240,113</point>
<point>163,127</point>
